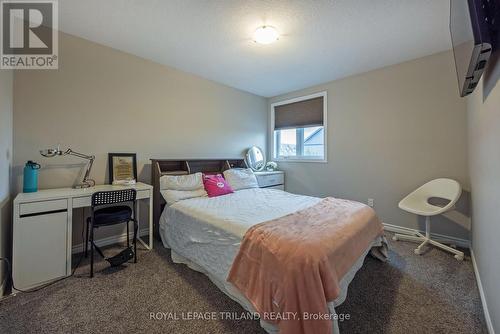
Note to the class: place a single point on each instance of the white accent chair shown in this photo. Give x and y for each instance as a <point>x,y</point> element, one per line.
<point>418,203</point>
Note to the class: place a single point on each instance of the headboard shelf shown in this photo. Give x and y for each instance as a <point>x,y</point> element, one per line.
<point>161,167</point>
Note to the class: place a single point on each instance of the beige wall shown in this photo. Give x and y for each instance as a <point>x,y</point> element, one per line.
<point>484,165</point>
<point>389,131</point>
<point>102,100</point>
<point>6,108</point>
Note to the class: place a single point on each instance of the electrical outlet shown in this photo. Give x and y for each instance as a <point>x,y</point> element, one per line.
<point>371,202</point>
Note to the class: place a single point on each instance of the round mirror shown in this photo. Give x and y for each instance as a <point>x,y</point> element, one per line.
<point>255,158</point>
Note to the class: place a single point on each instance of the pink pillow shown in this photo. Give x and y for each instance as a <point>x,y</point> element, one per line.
<point>216,185</point>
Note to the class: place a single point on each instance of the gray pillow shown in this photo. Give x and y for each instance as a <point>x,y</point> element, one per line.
<point>239,178</point>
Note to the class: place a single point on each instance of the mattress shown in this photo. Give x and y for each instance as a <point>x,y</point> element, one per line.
<point>205,234</point>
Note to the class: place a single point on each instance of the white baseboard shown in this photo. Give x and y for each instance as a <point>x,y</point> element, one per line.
<point>489,323</point>
<point>438,237</point>
<point>108,241</point>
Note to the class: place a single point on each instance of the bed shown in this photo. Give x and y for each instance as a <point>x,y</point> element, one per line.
<point>206,233</point>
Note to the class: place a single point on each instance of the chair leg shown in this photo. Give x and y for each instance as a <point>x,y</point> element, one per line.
<point>458,254</point>
<point>426,239</point>
<point>418,250</point>
<point>128,235</point>
<point>91,251</point>
<point>414,238</point>
<point>136,227</point>
<point>86,238</point>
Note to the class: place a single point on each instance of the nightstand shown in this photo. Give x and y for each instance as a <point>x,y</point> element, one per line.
<point>273,180</point>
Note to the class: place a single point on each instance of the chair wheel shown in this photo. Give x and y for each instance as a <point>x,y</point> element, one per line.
<point>417,251</point>
<point>459,257</point>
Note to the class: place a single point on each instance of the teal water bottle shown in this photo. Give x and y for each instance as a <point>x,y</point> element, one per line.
<point>30,181</point>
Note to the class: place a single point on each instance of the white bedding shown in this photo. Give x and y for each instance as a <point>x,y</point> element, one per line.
<point>209,230</point>
<point>205,233</point>
<point>237,212</point>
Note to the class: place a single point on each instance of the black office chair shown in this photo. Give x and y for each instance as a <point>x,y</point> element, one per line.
<point>110,208</point>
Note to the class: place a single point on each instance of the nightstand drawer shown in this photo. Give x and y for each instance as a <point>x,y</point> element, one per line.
<point>268,180</point>
<point>279,187</point>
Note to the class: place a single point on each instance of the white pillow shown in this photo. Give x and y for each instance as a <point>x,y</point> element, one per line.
<point>173,196</point>
<point>241,178</point>
<point>182,182</point>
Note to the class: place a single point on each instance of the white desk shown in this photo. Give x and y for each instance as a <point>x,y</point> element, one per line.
<point>42,231</point>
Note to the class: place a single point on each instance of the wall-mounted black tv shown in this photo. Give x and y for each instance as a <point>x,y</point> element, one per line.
<point>471,39</point>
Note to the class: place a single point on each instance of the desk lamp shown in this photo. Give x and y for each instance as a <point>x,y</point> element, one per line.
<point>87,182</point>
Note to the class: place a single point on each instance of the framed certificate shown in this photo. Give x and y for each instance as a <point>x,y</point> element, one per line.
<point>122,167</point>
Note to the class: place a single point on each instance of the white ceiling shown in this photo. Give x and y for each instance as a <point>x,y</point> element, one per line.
<point>321,40</point>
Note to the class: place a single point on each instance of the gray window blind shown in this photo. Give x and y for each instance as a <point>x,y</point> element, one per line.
<point>299,114</point>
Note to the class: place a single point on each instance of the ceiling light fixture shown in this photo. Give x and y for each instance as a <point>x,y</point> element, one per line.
<point>266,35</point>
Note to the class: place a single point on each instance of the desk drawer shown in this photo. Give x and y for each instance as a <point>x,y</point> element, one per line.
<point>142,194</point>
<point>85,201</point>
<point>270,180</point>
<point>41,207</point>
<point>81,202</point>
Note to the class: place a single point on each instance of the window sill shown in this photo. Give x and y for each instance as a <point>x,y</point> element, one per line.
<point>301,160</point>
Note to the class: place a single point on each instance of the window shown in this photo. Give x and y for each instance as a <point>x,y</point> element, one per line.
<point>299,129</point>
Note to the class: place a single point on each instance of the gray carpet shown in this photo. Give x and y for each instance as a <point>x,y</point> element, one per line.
<point>431,293</point>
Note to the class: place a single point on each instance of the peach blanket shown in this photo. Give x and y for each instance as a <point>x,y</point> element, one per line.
<point>290,267</point>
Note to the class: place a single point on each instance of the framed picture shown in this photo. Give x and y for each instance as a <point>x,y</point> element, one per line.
<point>122,167</point>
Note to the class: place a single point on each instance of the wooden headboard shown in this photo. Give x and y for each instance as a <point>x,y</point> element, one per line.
<point>161,167</point>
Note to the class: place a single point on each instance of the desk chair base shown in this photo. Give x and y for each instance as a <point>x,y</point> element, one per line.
<point>426,239</point>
